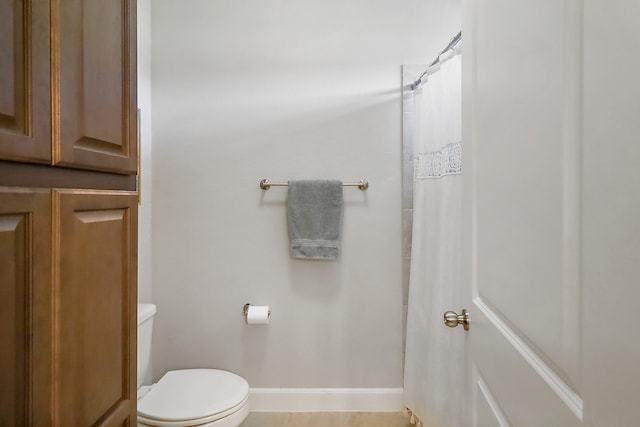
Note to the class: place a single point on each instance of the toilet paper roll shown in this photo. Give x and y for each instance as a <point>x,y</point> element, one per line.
<point>258,315</point>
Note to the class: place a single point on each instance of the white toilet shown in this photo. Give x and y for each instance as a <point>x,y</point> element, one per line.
<point>187,397</point>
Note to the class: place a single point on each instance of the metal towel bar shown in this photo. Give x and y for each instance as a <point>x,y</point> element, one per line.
<point>265,184</point>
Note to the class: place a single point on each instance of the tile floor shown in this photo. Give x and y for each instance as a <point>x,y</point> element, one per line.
<point>326,419</point>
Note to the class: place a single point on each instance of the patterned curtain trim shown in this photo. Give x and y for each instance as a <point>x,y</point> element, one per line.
<point>437,164</point>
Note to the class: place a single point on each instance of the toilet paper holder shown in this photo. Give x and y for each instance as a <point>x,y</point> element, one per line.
<point>245,310</point>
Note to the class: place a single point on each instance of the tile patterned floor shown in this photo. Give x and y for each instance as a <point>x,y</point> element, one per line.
<point>326,419</point>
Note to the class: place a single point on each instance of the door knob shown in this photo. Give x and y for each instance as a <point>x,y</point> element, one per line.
<point>452,319</point>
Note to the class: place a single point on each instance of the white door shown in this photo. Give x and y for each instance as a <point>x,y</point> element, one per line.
<point>551,133</point>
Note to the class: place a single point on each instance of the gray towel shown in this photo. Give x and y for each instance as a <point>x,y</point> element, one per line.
<point>314,215</point>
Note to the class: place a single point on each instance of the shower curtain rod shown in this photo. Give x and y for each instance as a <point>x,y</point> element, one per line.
<point>454,41</point>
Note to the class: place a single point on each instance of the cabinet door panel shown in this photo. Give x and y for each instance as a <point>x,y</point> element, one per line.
<point>95,303</point>
<point>96,92</point>
<point>25,118</point>
<point>25,265</point>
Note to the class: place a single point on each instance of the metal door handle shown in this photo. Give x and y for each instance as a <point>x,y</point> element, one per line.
<point>452,319</point>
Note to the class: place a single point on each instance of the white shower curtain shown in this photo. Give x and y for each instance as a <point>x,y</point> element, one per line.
<point>434,359</point>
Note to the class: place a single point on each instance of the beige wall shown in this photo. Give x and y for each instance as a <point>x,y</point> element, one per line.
<point>281,90</point>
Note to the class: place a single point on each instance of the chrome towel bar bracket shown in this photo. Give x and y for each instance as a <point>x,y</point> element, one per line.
<point>265,184</point>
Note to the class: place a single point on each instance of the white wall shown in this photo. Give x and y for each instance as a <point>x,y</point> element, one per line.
<point>244,90</point>
<point>144,103</point>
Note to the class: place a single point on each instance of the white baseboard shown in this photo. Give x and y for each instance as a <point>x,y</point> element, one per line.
<point>326,399</point>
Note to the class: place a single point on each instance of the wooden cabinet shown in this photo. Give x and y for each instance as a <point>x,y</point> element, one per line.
<point>68,307</point>
<point>94,298</point>
<point>25,307</point>
<point>68,83</point>
<point>25,87</point>
<point>68,213</point>
<point>95,84</point>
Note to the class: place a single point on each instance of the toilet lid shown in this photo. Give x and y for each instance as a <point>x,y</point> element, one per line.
<point>191,394</point>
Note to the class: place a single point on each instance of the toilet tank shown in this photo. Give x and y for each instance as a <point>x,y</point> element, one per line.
<point>145,329</point>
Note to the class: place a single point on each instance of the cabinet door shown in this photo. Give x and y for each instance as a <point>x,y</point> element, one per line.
<point>95,303</point>
<point>25,306</point>
<point>94,78</point>
<point>25,115</point>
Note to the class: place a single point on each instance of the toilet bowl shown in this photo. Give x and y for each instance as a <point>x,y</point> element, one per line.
<point>187,397</point>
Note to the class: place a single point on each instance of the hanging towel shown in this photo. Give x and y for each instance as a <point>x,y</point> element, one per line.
<point>314,215</point>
